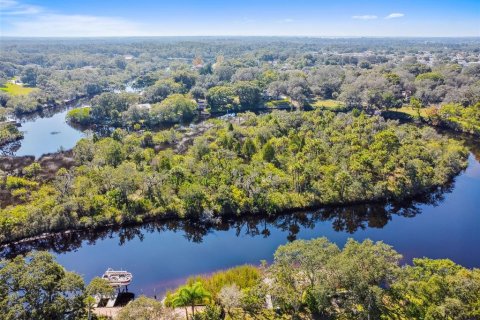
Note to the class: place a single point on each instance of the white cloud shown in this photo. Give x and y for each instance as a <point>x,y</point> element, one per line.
<point>395,15</point>
<point>365,17</point>
<point>31,21</point>
<point>12,8</point>
<point>59,25</point>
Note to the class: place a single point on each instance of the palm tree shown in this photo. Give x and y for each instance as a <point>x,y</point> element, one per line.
<point>191,295</point>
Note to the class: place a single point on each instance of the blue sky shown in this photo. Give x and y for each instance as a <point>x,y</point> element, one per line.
<point>75,18</point>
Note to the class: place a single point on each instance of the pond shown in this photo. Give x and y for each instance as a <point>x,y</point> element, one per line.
<point>45,132</point>
<point>443,224</point>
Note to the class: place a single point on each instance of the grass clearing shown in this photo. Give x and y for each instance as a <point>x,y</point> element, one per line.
<point>411,111</point>
<point>17,90</point>
<point>279,103</point>
<point>328,103</point>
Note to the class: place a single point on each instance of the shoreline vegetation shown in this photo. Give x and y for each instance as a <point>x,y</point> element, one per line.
<point>349,218</point>
<point>368,213</point>
<point>9,133</point>
<point>454,117</point>
<point>249,164</point>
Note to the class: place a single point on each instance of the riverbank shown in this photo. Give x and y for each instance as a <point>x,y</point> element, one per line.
<point>140,204</point>
<point>163,255</point>
<point>374,214</point>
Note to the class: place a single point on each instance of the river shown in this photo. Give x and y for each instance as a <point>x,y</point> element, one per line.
<point>445,224</point>
<point>160,258</point>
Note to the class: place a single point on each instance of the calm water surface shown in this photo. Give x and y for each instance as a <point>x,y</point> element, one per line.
<point>44,133</point>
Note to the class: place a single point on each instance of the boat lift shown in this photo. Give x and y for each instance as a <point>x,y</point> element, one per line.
<point>118,278</point>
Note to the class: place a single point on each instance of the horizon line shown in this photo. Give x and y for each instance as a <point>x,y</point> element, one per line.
<point>240,36</point>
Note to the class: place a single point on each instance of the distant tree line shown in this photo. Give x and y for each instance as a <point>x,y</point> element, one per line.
<point>236,75</point>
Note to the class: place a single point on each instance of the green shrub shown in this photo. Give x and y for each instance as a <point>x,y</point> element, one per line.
<point>79,116</point>
<point>244,277</point>
<point>9,133</point>
<point>17,182</point>
<point>20,193</point>
<point>436,77</point>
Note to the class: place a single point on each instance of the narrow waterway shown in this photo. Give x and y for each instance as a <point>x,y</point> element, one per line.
<point>444,224</point>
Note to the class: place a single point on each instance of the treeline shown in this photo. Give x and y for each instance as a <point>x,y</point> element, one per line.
<point>250,165</point>
<point>316,279</point>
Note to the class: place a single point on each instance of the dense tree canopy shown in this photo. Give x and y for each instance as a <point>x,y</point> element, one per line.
<point>9,133</point>
<point>174,109</point>
<point>348,283</point>
<point>37,287</point>
<point>456,117</point>
<point>365,281</point>
<point>221,98</point>
<point>438,289</point>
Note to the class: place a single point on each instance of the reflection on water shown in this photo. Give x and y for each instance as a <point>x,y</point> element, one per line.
<point>343,219</point>
<point>44,132</point>
<point>161,254</point>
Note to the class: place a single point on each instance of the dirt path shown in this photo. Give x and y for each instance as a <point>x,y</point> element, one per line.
<point>107,312</point>
<point>176,314</point>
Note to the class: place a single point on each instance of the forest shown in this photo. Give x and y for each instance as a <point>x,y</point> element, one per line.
<point>153,83</point>
<point>203,134</point>
<point>134,77</point>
